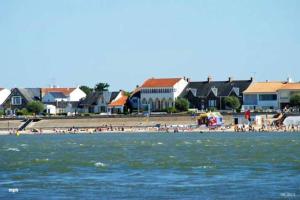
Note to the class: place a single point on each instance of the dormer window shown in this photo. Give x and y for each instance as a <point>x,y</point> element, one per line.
<point>236,91</point>
<point>215,91</point>
<point>16,100</point>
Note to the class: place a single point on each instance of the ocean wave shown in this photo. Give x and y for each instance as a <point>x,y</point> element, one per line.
<point>41,160</point>
<point>204,167</point>
<point>23,145</point>
<point>12,149</point>
<point>185,142</point>
<point>100,164</point>
<point>13,190</point>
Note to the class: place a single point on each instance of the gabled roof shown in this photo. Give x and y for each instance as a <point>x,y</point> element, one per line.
<point>91,99</point>
<point>57,95</point>
<point>264,87</point>
<point>65,91</point>
<point>224,88</point>
<point>119,102</point>
<point>290,86</point>
<point>113,96</point>
<point>160,82</point>
<point>30,94</point>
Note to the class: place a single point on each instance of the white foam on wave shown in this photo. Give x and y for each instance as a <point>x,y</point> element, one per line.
<point>186,142</point>
<point>288,195</point>
<point>160,143</point>
<point>24,145</point>
<point>42,160</point>
<point>13,190</point>
<point>100,164</point>
<point>204,167</point>
<point>13,149</point>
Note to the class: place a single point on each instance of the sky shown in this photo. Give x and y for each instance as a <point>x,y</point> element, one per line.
<point>124,42</point>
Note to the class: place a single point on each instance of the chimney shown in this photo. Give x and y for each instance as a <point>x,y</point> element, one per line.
<point>251,79</point>
<point>137,86</point>
<point>209,79</point>
<point>289,80</point>
<point>230,79</point>
<point>184,78</point>
<point>188,80</point>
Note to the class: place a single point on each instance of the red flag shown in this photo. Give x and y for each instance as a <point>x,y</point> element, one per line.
<point>247,114</point>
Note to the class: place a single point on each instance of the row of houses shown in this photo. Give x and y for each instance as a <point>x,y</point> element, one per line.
<point>60,100</point>
<point>155,94</point>
<point>158,94</point>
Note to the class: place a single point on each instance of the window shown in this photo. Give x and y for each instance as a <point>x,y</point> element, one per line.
<point>16,100</point>
<point>267,97</point>
<point>212,103</point>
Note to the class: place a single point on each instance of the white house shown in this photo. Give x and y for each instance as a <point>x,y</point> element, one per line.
<point>4,93</point>
<point>62,94</point>
<point>262,95</point>
<point>118,104</point>
<point>285,93</point>
<point>161,93</point>
<point>63,100</point>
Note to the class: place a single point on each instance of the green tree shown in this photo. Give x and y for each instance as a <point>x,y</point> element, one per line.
<point>35,107</point>
<point>182,104</point>
<point>232,102</point>
<point>295,100</point>
<point>100,87</point>
<point>22,112</point>
<point>87,90</point>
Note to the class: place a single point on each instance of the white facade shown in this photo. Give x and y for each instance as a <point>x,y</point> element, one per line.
<point>76,95</point>
<point>160,98</point>
<point>50,109</point>
<point>4,93</point>
<point>261,101</point>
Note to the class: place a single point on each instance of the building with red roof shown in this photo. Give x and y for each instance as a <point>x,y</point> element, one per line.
<point>160,93</point>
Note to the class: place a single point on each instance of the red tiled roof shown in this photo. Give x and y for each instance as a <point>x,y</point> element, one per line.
<point>119,102</point>
<point>290,86</point>
<point>65,91</point>
<point>264,87</point>
<point>160,82</point>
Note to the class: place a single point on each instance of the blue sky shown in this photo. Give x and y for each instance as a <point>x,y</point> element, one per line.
<point>125,42</point>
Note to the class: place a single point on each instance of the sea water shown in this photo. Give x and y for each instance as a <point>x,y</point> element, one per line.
<point>151,166</point>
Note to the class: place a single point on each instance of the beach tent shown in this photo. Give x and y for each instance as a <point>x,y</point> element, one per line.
<point>210,119</point>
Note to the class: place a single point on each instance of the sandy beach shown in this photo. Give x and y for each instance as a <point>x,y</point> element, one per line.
<point>164,124</point>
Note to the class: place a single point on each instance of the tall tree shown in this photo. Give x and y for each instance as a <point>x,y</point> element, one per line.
<point>232,102</point>
<point>182,104</point>
<point>100,87</point>
<point>87,90</point>
<point>35,107</point>
<point>295,100</point>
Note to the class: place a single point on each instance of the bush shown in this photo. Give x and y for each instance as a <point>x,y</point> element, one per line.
<point>232,102</point>
<point>23,112</point>
<point>182,104</point>
<point>212,109</point>
<point>171,110</point>
<point>2,112</point>
<point>35,107</point>
<point>295,100</point>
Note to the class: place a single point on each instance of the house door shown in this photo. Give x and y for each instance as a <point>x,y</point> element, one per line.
<point>236,121</point>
